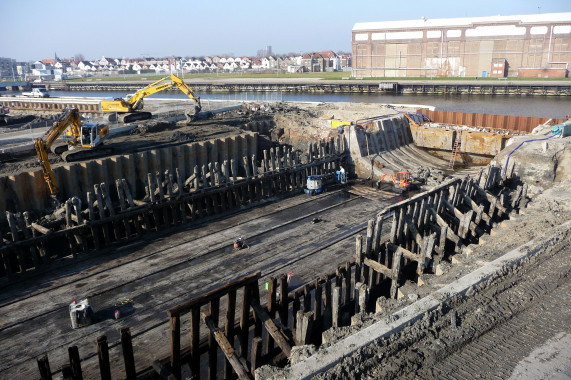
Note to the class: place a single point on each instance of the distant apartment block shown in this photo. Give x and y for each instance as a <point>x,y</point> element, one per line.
<point>526,46</point>
<point>7,67</point>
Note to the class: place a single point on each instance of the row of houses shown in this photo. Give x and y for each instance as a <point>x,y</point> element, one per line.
<point>57,69</point>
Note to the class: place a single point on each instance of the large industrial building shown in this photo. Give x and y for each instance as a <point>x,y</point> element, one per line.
<point>535,46</point>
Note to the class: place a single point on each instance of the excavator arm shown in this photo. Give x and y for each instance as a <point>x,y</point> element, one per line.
<point>70,118</point>
<point>389,176</point>
<point>160,85</point>
<point>187,91</point>
<point>40,145</point>
<point>135,102</point>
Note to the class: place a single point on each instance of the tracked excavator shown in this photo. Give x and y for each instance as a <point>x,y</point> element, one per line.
<point>401,181</point>
<point>82,141</point>
<point>130,107</point>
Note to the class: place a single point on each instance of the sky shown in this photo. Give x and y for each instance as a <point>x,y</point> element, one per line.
<point>31,30</point>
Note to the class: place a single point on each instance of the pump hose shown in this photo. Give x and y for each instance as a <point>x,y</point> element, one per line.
<point>509,155</point>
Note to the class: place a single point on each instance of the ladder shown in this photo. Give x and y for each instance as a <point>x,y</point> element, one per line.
<point>455,149</point>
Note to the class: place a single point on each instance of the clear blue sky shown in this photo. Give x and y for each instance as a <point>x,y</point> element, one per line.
<point>33,29</point>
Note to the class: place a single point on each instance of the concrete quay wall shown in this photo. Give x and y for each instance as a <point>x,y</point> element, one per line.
<point>29,192</point>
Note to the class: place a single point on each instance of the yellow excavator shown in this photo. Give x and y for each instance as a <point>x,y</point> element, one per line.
<point>80,139</point>
<point>133,103</point>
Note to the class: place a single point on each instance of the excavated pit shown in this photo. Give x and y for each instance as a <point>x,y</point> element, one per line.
<point>264,153</point>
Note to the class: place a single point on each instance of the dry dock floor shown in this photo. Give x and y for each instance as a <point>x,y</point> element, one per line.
<point>155,274</point>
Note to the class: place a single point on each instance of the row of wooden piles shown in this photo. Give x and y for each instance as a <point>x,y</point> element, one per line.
<point>113,215</point>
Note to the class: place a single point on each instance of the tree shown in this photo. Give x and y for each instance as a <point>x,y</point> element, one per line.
<point>79,57</point>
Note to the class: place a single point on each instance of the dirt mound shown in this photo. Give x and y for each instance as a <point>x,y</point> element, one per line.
<point>151,127</point>
<point>182,136</point>
<point>20,119</point>
<point>540,160</point>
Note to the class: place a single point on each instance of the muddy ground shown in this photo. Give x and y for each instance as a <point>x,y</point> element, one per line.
<point>294,124</point>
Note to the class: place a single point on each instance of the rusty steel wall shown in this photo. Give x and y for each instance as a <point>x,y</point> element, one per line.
<point>514,123</point>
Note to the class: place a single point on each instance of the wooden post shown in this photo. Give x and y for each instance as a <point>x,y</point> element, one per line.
<point>169,180</point>
<point>271,305</point>
<point>361,297</point>
<point>304,327</point>
<point>234,168</point>
<point>75,363</point>
<point>150,187</point>
<point>211,170</point>
<point>397,258</point>
<point>128,356</point>
<point>279,157</point>
<point>66,372</point>
<point>94,230</point>
<point>335,305</point>
<point>77,208</point>
<point>283,310</point>
<point>266,164</point>
<point>69,224</point>
<point>44,366</point>
<point>225,171</point>
<point>256,353</point>
<point>347,297</point>
<point>358,258</point>
<point>195,341</point>
<point>25,223</point>
<point>68,214</point>
<point>196,177</point>
<point>369,241</point>
<point>175,344</point>
<point>204,177</point>
<point>256,300</point>
<point>159,184</point>
<point>273,159</point>
<point>179,182</point>
<point>377,234</point>
<point>306,298</point>
<point>109,205</point>
<point>16,237</point>
<point>229,327</point>
<point>327,311</point>
<point>295,306</point>
<point>246,166</point>
<point>103,354</point>
<point>245,322</point>
<point>317,301</point>
<point>368,275</point>
<point>120,195</point>
<point>214,307</point>
<point>400,224</point>
<point>217,176</point>
<point>394,225</point>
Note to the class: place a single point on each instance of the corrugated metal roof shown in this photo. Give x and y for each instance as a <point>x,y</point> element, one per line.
<point>463,21</point>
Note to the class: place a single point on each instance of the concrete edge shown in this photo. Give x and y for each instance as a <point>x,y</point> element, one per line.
<point>329,357</point>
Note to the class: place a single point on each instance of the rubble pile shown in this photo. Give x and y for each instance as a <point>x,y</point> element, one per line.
<point>430,176</point>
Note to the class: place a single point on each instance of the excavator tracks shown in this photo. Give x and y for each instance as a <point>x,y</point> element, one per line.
<point>135,116</point>
<point>75,155</point>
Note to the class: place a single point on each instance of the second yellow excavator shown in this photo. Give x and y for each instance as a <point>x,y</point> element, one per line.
<point>132,105</point>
